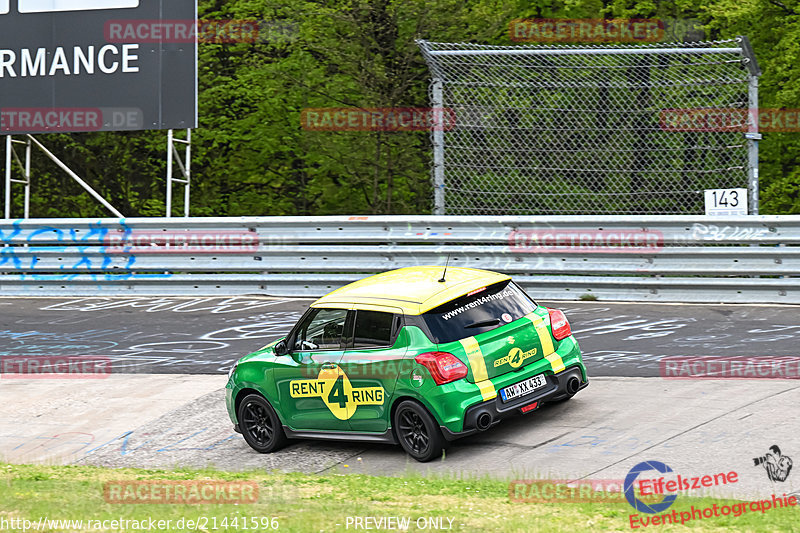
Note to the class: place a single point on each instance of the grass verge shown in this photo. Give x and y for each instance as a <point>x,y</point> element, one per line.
<point>332,502</point>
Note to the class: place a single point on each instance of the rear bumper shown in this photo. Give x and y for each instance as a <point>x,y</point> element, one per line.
<point>497,410</point>
<point>450,403</point>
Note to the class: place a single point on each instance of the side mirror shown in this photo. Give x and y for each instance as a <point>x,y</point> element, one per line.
<point>280,348</point>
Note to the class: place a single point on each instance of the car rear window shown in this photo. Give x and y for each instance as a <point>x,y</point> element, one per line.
<point>477,312</point>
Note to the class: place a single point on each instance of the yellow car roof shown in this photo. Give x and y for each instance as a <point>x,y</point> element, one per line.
<point>414,290</point>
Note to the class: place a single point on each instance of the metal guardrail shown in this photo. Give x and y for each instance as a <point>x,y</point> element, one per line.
<point>660,258</point>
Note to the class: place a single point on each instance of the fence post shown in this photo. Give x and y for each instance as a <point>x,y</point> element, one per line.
<point>752,135</point>
<point>438,148</point>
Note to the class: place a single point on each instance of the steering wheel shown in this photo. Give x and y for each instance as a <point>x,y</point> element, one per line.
<point>306,345</point>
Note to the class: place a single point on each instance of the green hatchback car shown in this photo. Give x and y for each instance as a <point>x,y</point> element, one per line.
<point>416,356</point>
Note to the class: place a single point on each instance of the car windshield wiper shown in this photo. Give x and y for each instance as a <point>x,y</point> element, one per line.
<point>484,323</point>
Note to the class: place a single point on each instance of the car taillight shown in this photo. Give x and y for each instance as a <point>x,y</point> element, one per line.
<point>443,366</point>
<point>559,323</point>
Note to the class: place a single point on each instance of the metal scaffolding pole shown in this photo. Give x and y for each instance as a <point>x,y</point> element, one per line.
<point>174,157</point>
<point>9,181</point>
<point>511,51</point>
<point>27,211</point>
<point>7,211</point>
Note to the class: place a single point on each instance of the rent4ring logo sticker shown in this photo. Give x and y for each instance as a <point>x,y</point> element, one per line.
<point>515,357</point>
<point>335,389</point>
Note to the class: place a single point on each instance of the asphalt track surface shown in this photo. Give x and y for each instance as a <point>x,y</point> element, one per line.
<point>163,405</point>
<point>696,427</point>
<point>206,335</point>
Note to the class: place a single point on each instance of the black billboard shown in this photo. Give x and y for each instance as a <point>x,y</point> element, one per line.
<point>97,65</point>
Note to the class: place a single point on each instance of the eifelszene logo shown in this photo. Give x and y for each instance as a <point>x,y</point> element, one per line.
<point>630,494</point>
<point>662,485</point>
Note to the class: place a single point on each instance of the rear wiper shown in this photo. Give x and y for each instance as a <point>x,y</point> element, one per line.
<point>484,323</point>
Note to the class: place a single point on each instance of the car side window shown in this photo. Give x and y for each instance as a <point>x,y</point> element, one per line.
<point>373,329</point>
<point>321,330</point>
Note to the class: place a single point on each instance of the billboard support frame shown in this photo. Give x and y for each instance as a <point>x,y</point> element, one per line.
<point>9,180</point>
<point>173,158</point>
<point>7,203</point>
<point>151,85</point>
<point>184,165</point>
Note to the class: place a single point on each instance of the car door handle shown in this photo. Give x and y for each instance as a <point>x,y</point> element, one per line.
<point>329,365</point>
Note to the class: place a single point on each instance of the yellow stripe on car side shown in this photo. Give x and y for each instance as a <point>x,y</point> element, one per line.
<point>546,340</point>
<point>478,366</point>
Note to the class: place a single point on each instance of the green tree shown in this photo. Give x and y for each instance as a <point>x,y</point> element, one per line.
<point>251,156</point>
<point>773,27</point>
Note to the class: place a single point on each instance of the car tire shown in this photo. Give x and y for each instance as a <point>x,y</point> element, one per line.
<point>260,425</point>
<point>417,431</point>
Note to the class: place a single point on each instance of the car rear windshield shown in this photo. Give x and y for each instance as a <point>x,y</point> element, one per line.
<point>477,312</point>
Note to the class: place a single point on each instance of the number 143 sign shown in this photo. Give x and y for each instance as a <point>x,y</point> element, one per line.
<point>726,202</point>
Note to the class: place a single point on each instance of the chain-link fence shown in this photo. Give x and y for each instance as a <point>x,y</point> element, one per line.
<point>591,129</point>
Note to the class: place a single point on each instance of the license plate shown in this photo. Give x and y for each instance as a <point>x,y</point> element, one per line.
<point>522,388</point>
